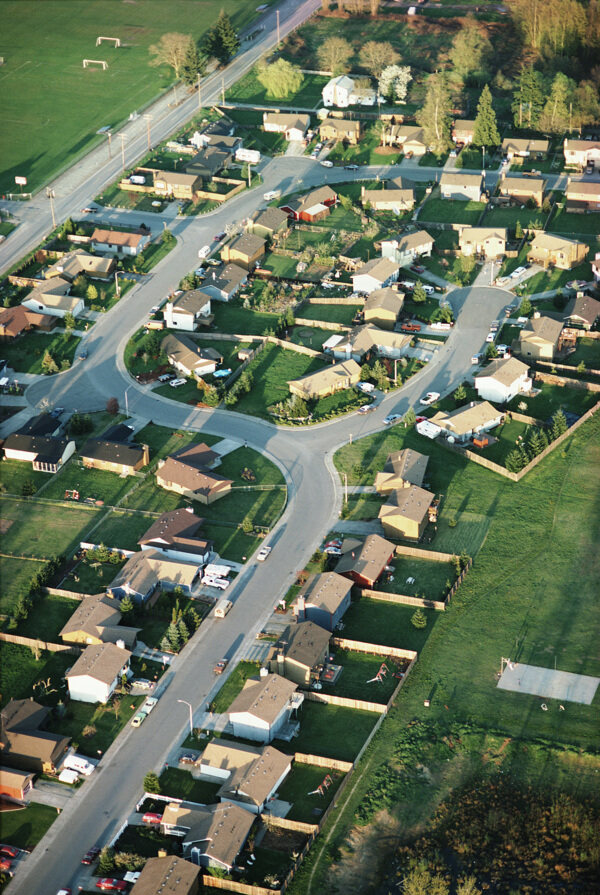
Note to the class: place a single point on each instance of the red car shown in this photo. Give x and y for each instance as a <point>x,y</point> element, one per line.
<point>150,818</point>
<point>112,885</point>
<point>5,863</point>
<point>9,851</point>
<point>90,856</point>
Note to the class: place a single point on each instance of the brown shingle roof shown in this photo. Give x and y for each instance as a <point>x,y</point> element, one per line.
<point>368,558</point>
<point>190,302</point>
<point>271,218</point>
<point>103,662</point>
<point>257,779</point>
<point>169,875</point>
<point>219,831</point>
<point>327,591</point>
<point>13,321</point>
<point>468,418</point>
<point>408,464</point>
<point>544,328</point>
<point>411,503</point>
<point>197,454</point>
<point>112,452</point>
<point>117,238</point>
<point>265,698</point>
<point>247,244</point>
<point>378,268</point>
<point>386,299</point>
<point>304,643</point>
<point>199,480</point>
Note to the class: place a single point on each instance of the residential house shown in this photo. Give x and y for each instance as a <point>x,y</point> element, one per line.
<point>503,380</point>
<point>375,274</point>
<point>368,340</point>
<point>407,247</point>
<point>326,381</point>
<point>408,136</point>
<point>188,358</point>
<point>523,189</point>
<point>300,653</point>
<point>406,513</point>
<point>46,454</point>
<point>402,469</point>
<point>556,251</point>
<point>249,775</point>
<point>18,320</point>
<point>52,299</point>
<point>264,709</point>
<point>97,620</point>
<point>467,421</point>
<point>292,126</point>
<point>177,184</point>
<point>396,196</point>
<point>323,599</point>
<point>382,307</point>
<point>269,223</point>
<point>245,250</point>
<point>343,91</point>
<point>364,561</point>
<point>78,262</point>
<point>582,311</point>
<point>213,133</point>
<point>98,672</point>
<point>210,836</point>
<point>168,875</point>
<point>188,311</point>
<point>580,153</point>
<point>177,534</point>
<point>114,242</point>
<point>225,282</point>
<point>114,456</point>
<point>15,784</point>
<point>539,339</point>
<point>184,476</point>
<point>583,195</point>
<point>525,147</point>
<point>487,242</point>
<point>146,570</point>
<point>464,187</point>
<point>314,206</point>
<point>208,163</point>
<point>24,744</point>
<point>43,424</point>
<point>463,131</point>
<point>340,129</point>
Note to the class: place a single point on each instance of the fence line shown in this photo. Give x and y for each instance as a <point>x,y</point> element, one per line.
<point>213,882</point>
<point>346,701</point>
<point>34,643</point>
<point>321,761</point>
<point>373,649</point>
<point>59,592</point>
<point>418,553</point>
<point>403,599</point>
<point>323,324</point>
<point>563,381</point>
<point>283,823</point>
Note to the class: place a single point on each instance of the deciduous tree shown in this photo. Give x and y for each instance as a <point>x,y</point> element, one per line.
<point>528,98</point>
<point>394,81</point>
<point>112,406</point>
<point>434,117</point>
<point>171,50</point>
<point>49,365</point>
<point>281,79</point>
<point>334,54</point>
<point>555,115</point>
<point>470,53</point>
<point>375,55</point>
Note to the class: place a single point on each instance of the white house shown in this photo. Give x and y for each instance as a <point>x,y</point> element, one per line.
<point>502,380</point>
<point>465,422</point>
<point>342,92</point>
<point>404,249</point>
<point>45,453</point>
<point>264,708</point>
<point>466,187</point>
<point>375,274</point>
<point>52,298</point>
<point>188,311</point>
<point>97,672</point>
<point>582,152</point>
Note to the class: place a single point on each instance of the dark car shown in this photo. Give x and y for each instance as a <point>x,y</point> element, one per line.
<point>84,354</point>
<point>351,167</point>
<point>187,758</point>
<point>90,856</point>
<point>5,863</point>
<point>219,237</point>
<point>418,268</point>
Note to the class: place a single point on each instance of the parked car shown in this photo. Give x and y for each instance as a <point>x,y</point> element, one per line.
<point>187,758</point>
<point>9,851</point>
<point>5,863</point>
<point>427,289</point>
<point>490,337</point>
<point>57,412</point>
<point>219,237</point>
<point>263,553</point>
<point>112,885</point>
<point>326,163</point>
<point>83,354</point>
<point>138,719</point>
<point>366,387</point>
<point>476,359</point>
<point>453,153</point>
<point>430,398</point>
<point>91,855</point>
<point>89,209</point>
<point>518,271</point>
<point>221,666</point>
<point>418,268</point>
<point>175,383</point>
<point>503,350</point>
<point>213,262</point>
<point>166,377</point>
<point>204,252</point>
<point>366,408</point>
<point>351,167</point>
<point>150,817</point>
<point>576,284</point>
<point>392,418</point>
<point>410,328</point>
<point>407,284</point>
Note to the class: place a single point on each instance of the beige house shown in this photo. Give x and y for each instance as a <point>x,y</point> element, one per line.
<point>581,152</point>
<point>115,242</point>
<point>406,513</point>
<point>522,189</point>
<point>410,137</point>
<point>402,469</point>
<point>525,147</point>
<point>340,129</point>
<point>114,456</point>
<point>395,196</point>
<point>556,251</point>
<point>583,195</point>
<point>375,274</point>
<point>187,358</point>
<point>77,262</point>
<point>326,381</point>
<point>365,340</point>
<point>176,184</point>
<point>23,742</point>
<point>465,187</point>
<point>539,339</point>
<point>490,242</point>
<point>249,775</point>
<point>269,223</point>
<point>168,875</point>
<point>148,569</point>
<point>245,250</point>
<point>408,247</point>
<point>191,480</point>
<point>294,127</point>
<point>465,422</point>
<point>210,836</point>
<point>97,620</point>
<point>382,307</point>
<point>463,131</point>
<point>300,653</point>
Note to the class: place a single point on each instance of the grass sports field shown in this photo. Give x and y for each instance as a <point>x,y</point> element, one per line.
<point>50,106</point>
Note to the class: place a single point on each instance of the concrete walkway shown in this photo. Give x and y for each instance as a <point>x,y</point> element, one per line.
<point>226,446</point>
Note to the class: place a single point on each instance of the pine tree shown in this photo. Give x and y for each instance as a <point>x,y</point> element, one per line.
<point>165,645</point>
<point>514,461</point>
<point>49,365</point>
<point>193,618</point>
<point>518,230</point>
<point>409,418</point>
<point>183,631</point>
<point>126,606</point>
<point>194,64</point>
<point>152,783</point>
<point>223,42</point>
<point>535,444</point>
<point>559,425</point>
<point>106,861</point>
<point>485,132</point>
<point>419,295</point>
<point>460,395</point>
<point>379,375</point>
<point>173,636</point>
<point>528,98</point>
<point>419,619</point>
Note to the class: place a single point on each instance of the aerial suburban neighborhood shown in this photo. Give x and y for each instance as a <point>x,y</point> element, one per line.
<point>300,447</point>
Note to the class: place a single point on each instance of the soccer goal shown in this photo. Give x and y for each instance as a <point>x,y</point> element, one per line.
<point>115,40</point>
<point>101,62</point>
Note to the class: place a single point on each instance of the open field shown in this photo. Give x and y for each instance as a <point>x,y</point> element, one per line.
<point>25,355</point>
<point>330,730</point>
<point>16,575</point>
<point>44,46</point>
<point>37,530</point>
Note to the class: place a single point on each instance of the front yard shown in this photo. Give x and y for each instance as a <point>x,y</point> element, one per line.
<point>271,371</point>
<point>25,354</point>
<point>249,90</point>
<point>94,727</point>
<point>368,151</point>
<point>555,279</point>
<point>25,827</point>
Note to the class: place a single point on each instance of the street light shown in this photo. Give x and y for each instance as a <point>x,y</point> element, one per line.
<point>191,719</point>
<point>123,137</point>
<point>126,402</point>
<point>50,194</point>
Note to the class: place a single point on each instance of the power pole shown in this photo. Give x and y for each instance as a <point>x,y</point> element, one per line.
<point>278,32</point>
<point>249,175</point>
<point>223,90</point>
<point>148,119</point>
<point>117,288</point>
<point>109,135</point>
<point>175,101</point>
<point>123,137</point>
<point>199,94</point>
<point>50,195</point>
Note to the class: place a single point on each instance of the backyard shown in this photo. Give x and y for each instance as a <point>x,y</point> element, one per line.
<point>330,730</point>
<point>298,788</point>
<point>37,530</point>
<point>357,678</point>
<point>554,397</point>
<point>368,151</point>
<point>20,671</point>
<point>343,314</point>
<point>181,785</point>
<point>50,615</point>
<point>587,352</point>
<point>16,575</point>
<point>451,211</point>
<point>95,484</point>
<point>25,355</point>
<point>249,90</point>
<point>431,579</point>
<point>387,624</point>
<point>271,371</point>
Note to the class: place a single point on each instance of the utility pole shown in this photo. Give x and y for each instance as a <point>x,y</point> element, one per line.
<point>175,101</point>
<point>346,486</point>
<point>278,32</point>
<point>223,90</point>
<point>50,194</point>
<point>123,137</point>
<point>117,287</point>
<point>148,119</point>
<point>109,135</point>
<point>249,175</point>
<point>199,94</point>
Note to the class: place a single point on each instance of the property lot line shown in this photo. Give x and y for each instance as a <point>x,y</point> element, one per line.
<point>16,556</point>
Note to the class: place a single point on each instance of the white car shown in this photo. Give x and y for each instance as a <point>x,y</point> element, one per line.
<point>430,398</point>
<point>204,252</point>
<point>263,553</point>
<point>326,163</point>
<point>490,337</point>
<point>518,271</point>
<point>392,418</point>
<point>408,284</point>
<point>428,290</point>
<point>177,382</point>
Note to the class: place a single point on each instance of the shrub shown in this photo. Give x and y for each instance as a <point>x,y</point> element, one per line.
<point>419,619</point>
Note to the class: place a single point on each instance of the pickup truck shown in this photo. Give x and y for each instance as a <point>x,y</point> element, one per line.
<point>410,328</point>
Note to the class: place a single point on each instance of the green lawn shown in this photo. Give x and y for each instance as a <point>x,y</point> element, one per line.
<point>181,785</point>
<point>365,152</point>
<point>47,45</point>
<point>343,314</point>
<point>249,90</point>
<point>311,337</point>
<point>14,474</point>
<point>430,578</point>
<point>427,310</point>
<point>107,720</point>
<point>265,472</point>
<point>271,371</point>
<point>508,217</point>
<point>507,435</point>
<point>343,401</point>
<point>154,253</point>
<point>302,780</point>
<point>555,279</point>
<point>261,507</point>
<point>233,685</point>
<point>233,318</point>
<point>40,531</point>
<point>587,351</point>
<point>16,575</point>
<point>430,160</point>
<point>330,730</point>
<point>472,159</point>
<point>231,543</point>
<point>47,618</point>
<point>94,483</point>
<point>19,671</point>
<point>122,530</point>
<point>25,354</point>
<point>163,441</point>
<point>113,197</point>
<point>285,266</point>
<point>184,394</point>
<point>451,211</point>
<point>91,578</point>
<point>576,225</point>
<point>553,398</point>
<point>387,624</point>
<point>358,670</point>
<point>25,827</point>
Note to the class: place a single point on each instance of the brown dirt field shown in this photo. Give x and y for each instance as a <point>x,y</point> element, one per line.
<point>363,854</point>
<point>5,524</point>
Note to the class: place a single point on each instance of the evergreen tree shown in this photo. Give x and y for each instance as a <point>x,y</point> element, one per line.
<point>409,418</point>
<point>365,373</point>
<point>525,308</point>
<point>68,227</point>
<point>460,395</point>
<point>289,317</point>
<point>49,365</point>
<point>555,115</point>
<point>126,606</point>
<point>559,425</point>
<point>419,619</point>
<point>69,321</point>
<point>183,631</point>
<point>173,637</point>
<point>518,230</point>
<point>194,64</point>
<point>165,645</point>
<point>222,41</point>
<point>528,98</point>
<point>379,375</point>
<point>91,293</point>
<point>435,117</point>
<point>152,783</point>
<point>535,444</point>
<point>515,461</point>
<point>106,861</point>
<point>485,132</point>
<point>194,619</point>
<point>419,295</point>
<point>299,408</point>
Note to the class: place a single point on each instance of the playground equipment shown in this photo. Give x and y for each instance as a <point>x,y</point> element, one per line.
<point>323,787</point>
<point>71,494</point>
<point>116,41</point>
<point>102,62</point>
<point>383,670</point>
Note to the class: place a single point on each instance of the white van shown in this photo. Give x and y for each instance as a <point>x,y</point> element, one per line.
<point>222,608</point>
<point>272,194</point>
<point>79,764</point>
<point>213,570</point>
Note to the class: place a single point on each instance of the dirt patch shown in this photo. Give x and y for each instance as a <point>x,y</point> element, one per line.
<point>283,840</point>
<point>5,524</point>
<point>365,850</point>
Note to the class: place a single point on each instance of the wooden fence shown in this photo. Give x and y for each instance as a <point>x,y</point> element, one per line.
<point>562,381</point>
<point>373,649</point>
<point>283,823</point>
<point>322,300</point>
<point>403,599</point>
<point>213,882</point>
<point>321,761</point>
<point>568,367</point>
<point>323,324</point>
<point>418,553</point>
<point>59,592</point>
<point>345,701</point>
<point>33,643</point>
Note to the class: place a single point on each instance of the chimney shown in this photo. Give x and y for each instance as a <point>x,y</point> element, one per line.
<point>536,315</point>
<point>146,454</point>
<point>264,672</point>
<point>121,644</point>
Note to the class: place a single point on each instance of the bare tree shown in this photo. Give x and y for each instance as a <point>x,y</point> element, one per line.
<point>172,49</point>
<point>377,55</point>
<point>374,7</point>
<point>333,54</point>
